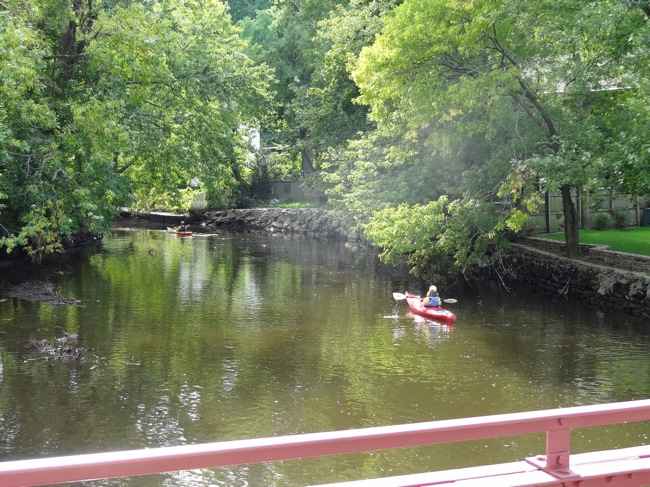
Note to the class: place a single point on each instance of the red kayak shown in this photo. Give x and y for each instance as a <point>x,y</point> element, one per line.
<point>179,232</point>
<point>433,313</point>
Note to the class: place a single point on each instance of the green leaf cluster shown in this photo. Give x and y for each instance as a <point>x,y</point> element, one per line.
<point>312,47</point>
<point>497,101</point>
<point>439,235</point>
<point>104,104</point>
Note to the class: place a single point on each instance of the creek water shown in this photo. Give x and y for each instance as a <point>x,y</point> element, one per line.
<point>240,336</point>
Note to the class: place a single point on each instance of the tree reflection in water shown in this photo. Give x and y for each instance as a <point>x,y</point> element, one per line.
<point>239,336</point>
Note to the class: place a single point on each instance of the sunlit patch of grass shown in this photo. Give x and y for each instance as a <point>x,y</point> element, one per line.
<point>294,204</point>
<point>634,240</point>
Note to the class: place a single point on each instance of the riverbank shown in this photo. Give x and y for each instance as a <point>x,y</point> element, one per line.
<point>71,246</point>
<point>158,218</point>
<point>608,280</point>
<point>314,222</point>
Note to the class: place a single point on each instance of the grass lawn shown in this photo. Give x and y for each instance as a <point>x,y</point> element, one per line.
<point>635,240</point>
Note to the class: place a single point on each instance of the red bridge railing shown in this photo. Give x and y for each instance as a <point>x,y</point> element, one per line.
<point>556,423</point>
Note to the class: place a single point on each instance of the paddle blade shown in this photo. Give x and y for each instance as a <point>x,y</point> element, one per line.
<point>399,296</point>
<point>450,301</point>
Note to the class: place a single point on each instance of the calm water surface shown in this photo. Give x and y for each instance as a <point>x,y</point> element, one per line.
<point>235,336</point>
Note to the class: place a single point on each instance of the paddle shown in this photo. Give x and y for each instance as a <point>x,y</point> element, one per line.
<point>402,297</point>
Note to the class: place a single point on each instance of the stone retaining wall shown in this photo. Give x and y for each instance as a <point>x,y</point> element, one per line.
<point>601,286</point>
<point>314,222</point>
<point>554,246</point>
<point>596,254</point>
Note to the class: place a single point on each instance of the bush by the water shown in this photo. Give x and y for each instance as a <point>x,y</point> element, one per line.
<point>619,219</point>
<point>601,221</point>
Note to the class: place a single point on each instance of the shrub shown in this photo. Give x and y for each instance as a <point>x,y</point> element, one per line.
<point>442,234</point>
<point>601,221</point>
<point>619,219</point>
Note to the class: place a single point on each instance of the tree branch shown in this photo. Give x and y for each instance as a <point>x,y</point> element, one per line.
<point>527,91</point>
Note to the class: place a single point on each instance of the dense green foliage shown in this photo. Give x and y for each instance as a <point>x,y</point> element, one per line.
<point>486,104</point>
<point>174,86</point>
<point>312,46</point>
<point>546,87</point>
<point>438,123</point>
<point>108,104</point>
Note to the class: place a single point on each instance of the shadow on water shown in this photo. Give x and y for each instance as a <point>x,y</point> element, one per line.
<point>236,336</point>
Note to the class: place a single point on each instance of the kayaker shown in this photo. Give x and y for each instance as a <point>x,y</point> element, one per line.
<point>183,227</point>
<point>432,299</point>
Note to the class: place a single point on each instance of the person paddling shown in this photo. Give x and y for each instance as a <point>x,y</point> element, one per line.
<point>432,299</point>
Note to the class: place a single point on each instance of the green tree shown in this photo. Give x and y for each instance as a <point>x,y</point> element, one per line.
<point>284,36</point>
<point>42,183</point>
<point>241,9</point>
<point>173,89</point>
<point>105,104</point>
<point>327,107</point>
<point>533,68</point>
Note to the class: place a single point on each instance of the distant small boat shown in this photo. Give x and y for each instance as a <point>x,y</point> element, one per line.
<point>179,233</point>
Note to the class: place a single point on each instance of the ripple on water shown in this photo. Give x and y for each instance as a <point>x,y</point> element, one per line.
<point>234,337</point>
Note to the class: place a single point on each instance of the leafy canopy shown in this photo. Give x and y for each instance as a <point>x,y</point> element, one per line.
<point>540,88</point>
<point>110,103</point>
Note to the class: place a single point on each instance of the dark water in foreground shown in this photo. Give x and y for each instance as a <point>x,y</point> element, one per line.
<point>233,337</point>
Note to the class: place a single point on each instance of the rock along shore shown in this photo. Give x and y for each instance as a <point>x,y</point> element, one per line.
<point>314,222</point>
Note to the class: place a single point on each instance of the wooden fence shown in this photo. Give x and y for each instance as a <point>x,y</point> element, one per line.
<point>550,218</point>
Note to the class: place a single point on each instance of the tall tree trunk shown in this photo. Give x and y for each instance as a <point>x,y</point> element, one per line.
<point>72,43</point>
<point>547,211</point>
<point>68,52</point>
<point>569,209</point>
<point>307,162</point>
<point>611,201</point>
<point>571,231</point>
